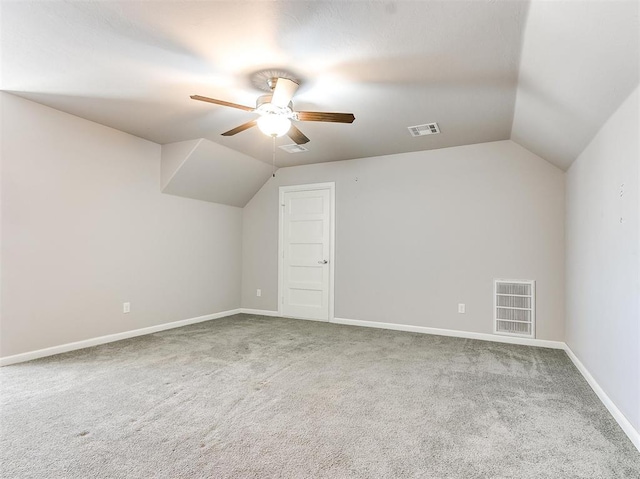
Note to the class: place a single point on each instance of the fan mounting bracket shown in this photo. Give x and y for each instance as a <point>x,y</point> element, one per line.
<point>265,80</point>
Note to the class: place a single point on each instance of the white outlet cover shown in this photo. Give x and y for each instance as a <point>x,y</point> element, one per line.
<point>126,307</point>
<point>461,308</point>
<point>258,292</point>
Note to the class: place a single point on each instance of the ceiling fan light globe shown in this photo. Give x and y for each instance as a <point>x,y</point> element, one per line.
<point>274,125</point>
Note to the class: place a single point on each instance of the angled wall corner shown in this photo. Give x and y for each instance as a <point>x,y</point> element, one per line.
<point>204,170</point>
<point>173,156</point>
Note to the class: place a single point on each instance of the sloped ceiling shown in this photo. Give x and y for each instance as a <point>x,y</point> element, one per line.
<point>204,170</point>
<point>580,61</point>
<point>132,66</point>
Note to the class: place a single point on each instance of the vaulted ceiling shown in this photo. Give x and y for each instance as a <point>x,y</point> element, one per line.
<point>545,74</point>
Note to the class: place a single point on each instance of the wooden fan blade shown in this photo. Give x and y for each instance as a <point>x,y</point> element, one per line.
<point>326,116</point>
<point>297,136</point>
<point>283,93</point>
<point>238,129</point>
<point>221,102</point>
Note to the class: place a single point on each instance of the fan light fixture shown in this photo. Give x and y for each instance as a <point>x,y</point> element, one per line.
<point>276,110</point>
<point>272,124</point>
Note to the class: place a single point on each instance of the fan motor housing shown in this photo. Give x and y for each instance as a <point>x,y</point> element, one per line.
<point>263,105</point>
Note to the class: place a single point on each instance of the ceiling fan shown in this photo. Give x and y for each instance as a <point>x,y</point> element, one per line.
<point>276,112</point>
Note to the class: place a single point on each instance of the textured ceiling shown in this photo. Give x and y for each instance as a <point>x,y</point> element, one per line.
<point>132,66</point>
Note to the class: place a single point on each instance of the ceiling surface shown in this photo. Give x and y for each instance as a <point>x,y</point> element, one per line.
<point>579,62</point>
<point>132,66</point>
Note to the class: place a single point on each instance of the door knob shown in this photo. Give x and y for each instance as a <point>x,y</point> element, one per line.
<point>324,261</point>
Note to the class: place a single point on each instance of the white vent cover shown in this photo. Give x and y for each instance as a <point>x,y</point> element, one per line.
<point>294,148</point>
<point>426,129</point>
<point>514,306</point>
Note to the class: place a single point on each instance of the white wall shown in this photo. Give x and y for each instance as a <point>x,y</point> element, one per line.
<point>418,233</point>
<point>603,269</point>
<point>85,228</point>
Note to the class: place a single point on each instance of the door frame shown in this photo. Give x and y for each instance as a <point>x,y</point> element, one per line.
<point>331,186</point>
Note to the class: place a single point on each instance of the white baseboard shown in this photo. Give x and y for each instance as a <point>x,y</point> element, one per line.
<point>542,343</point>
<point>266,312</point>
<point>620,418</point>
<point>259,312</point>
<point>87,343</point>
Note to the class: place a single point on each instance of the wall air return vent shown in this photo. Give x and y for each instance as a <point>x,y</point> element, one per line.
<point>514,307</point>
<point>422,130</point>
<point>293,148</point>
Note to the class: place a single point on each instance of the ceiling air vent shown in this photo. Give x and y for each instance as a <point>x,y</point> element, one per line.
<point>421,130</point>
<point>294,148</point>
<point>514,307</point>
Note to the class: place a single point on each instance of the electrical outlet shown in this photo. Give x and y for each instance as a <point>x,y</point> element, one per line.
<point>461,308</point>
<point>126,307</point>
<point>258,292</point>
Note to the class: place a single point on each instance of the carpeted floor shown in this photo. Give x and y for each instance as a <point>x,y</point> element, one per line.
<point>255,397</point>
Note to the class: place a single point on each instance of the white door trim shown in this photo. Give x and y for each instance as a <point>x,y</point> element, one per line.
<point>331,186</point>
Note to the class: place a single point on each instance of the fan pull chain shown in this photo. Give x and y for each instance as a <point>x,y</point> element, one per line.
<point>274,156</point>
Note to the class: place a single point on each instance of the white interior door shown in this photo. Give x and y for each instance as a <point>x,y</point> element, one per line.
<point>306,248</point>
